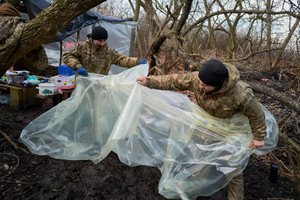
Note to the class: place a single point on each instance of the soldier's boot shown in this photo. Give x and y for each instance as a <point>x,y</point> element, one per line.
<point>236,188</point>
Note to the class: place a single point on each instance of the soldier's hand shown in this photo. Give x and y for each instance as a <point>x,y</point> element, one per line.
<point>82,71</point>
<point>142,61</point>
<point>255,143</point>
<point>142,80</point>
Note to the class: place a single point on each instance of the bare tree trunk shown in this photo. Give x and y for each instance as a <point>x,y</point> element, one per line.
<point>137,10</point>
<point>46,25</point>
<point>269,33</point>
<point>298,50</point>
<point>133,33</point>
<point>211,37</point>
<point>171,53</point>
<point>232,28</point>
<point>170,33</point>
<point>151,26</point>
<point>287,39</point>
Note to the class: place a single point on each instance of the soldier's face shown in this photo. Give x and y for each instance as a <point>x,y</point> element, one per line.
<point>206,88</point>
<point>99,43</point>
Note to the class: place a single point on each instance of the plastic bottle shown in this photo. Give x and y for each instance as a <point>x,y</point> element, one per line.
<point>273,173</point>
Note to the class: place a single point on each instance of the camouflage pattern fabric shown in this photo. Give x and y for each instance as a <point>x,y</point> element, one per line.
<point>94,59</point>
<point>233,97</point>
<point>10,33</point>
<point>36,59</point>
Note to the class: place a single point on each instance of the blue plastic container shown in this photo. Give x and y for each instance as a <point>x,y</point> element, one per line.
<point>64,70</point>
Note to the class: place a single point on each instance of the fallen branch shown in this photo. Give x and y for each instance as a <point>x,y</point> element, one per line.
<point>281,163</point>
<point>276,95</point>
<point>13,143</point>
<point>290,141</point>
<point>172,65</point>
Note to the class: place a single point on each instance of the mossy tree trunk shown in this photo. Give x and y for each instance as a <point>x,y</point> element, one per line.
<point>269,31</point>
<point>172,33</point>
<point>47,24</point>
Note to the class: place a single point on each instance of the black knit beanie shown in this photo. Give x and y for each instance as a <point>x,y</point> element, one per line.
<point>99,33</point>
<point>213,73</point>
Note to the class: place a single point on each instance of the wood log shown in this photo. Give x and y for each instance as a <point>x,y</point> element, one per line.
<point>285,100</point>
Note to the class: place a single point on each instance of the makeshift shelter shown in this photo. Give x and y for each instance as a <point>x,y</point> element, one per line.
<point>121,32</point>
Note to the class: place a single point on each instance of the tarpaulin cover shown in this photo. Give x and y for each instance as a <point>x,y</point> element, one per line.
<point>196,153</point>
<point>34,7</point>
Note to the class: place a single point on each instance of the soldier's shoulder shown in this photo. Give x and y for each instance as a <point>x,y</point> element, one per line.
<point>78,45</point>
<point>243,85</point>
<point>194,74</point>
<point>111,50</point>
<point>243,89</point>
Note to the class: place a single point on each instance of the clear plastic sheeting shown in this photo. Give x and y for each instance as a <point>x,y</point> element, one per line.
<point>196,153</point>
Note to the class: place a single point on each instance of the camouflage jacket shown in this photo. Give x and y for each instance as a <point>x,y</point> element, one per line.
<point>96,60</point>
<point>233,97</point>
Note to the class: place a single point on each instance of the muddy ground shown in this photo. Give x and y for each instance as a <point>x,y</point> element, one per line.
<point>34,177</point>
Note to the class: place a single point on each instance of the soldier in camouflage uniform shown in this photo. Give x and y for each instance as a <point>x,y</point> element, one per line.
<point>220,92</point>
<point>95,56</point>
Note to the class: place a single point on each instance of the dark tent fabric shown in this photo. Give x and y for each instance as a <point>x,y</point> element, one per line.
<point>34,7</point>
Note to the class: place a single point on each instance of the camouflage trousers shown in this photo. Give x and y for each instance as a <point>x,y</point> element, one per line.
<point>236,188</point>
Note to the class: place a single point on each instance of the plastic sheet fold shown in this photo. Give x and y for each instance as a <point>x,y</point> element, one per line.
<point>196,153</point>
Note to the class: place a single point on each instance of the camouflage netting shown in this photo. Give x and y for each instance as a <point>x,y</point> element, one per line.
<point>196,153</point>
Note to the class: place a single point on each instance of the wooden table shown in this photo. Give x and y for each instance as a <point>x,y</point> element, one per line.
<point>20,97</point>
<point>48,100</point>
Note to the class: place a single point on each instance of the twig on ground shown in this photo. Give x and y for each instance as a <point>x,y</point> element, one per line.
<point>13,143</point>
<point>281,163</point>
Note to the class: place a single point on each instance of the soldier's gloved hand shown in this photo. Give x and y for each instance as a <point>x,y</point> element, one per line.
<point>82,71</point>
<point>142,61</point>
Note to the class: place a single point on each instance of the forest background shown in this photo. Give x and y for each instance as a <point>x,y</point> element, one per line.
<point>254,35</point>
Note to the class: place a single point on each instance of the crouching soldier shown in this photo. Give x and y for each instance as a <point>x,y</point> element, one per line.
<point>95,56</point>
<point>220,92</point>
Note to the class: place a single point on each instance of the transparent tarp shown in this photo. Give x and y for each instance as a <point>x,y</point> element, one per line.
<point>196,153</point>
